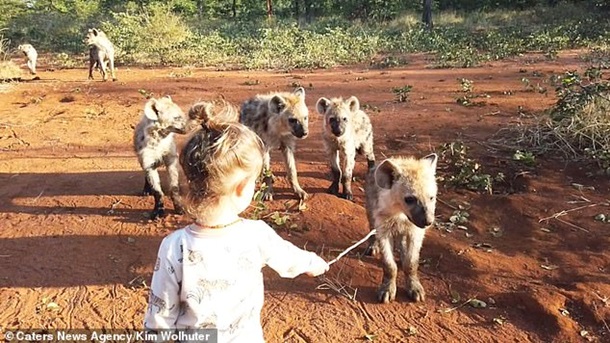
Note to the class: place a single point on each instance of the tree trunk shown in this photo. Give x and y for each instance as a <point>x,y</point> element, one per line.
<point>296,9</point>
<point>269,9</point>
<point>308,11</point>
<point>200,5</point>
<point>234,8</point>
<point>427,15</point>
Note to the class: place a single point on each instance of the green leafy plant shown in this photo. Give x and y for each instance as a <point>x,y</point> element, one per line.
<point>146,93</point>
<point>525,157</point>
<point>402,93</point>
<point>464,171</point>
<point>466,85</point>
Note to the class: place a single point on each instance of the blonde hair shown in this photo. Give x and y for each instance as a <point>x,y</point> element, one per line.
<point>216,153</point>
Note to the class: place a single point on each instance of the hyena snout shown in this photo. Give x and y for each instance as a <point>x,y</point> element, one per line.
<point>179,126</point>
<point>298,129</point>
<point>337,127</point>
<point>418,215</point>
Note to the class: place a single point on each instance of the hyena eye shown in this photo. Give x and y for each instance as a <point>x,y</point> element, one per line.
<point>344,119</point>
<point>431,198</point>
<point>410,200</point>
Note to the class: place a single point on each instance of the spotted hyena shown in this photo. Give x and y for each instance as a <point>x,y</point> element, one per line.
<point>347,130</point>
<point>279,119</point>
<point>400,204</point>
<point>101,53</point>
<point>154,144</point>
<point>31,55</point>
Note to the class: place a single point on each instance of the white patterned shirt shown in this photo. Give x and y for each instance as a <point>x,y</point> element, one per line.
<point>212,278</point>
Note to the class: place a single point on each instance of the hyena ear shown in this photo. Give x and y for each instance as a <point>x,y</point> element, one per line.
<point>300,91</point>
<point>322,105</point>
<point>150,110</point>
<point>277,104</point>
<point>94,31</point>
<point>385,174</point>
<point>353,103</point>
<point>432,159</point>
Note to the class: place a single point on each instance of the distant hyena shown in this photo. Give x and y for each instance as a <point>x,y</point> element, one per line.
<point>101,51</point>
<point>154,144</point>
<point>31,55</point>
<point>347,130</point>
<point>400,204</point>
<point>279,119</point>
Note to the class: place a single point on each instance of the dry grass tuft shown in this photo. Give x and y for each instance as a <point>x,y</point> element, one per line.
<point>578,127</point>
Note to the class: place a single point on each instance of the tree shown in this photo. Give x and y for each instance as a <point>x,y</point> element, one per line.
<point>427,15</point>
<point>269,9</point>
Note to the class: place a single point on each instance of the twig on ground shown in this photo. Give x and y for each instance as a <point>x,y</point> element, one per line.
<point>564,212</point>
<point>447,310</point>
<point>336,286</point>
<point>446,203</point>
<point>38,197</point>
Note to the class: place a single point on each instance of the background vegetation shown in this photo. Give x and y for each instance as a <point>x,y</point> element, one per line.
<point>286,34</point>
<point>306,33</point>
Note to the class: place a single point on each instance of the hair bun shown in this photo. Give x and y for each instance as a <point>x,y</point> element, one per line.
<point>210,114</point>
<point>201,112</point>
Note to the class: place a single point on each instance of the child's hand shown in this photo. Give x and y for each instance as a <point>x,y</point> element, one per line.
<point>317,267</point>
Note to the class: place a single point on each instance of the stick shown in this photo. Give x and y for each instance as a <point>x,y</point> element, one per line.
<point>564,212</point>
<point>374,231</point>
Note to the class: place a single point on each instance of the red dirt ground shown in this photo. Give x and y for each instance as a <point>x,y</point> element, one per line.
<point>77,251</point>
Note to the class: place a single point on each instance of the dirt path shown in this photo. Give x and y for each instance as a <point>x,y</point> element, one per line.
<point>74,232</point>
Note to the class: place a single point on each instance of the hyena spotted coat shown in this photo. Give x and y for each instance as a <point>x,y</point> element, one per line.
<point>279,119</point>
<point>31,55</point>
<point>347,130</point>
<point>154,144</point>
<point>101,52</point>
<point>400,204</point>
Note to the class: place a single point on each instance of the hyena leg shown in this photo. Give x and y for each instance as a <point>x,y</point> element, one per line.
<point>155,182</point>
<point>103,67</point>
<point>171,163</point>
<point>32,67</point>
<point>91,66</point>
<point>370,158</point>
<point>147,187</point>
<point>387,289</point>
<point>350,161</point>
<point>335,170</point>
<point>291,170</point>
<point>267,177</point>
<point>410,245</point>
<point>111,61</point>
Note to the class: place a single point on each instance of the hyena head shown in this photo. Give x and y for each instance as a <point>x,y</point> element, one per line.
<point>166,114</point>
<point>337,113</point>
<point>95,37</point>
<point>409,184</point>
<point>292,110</point>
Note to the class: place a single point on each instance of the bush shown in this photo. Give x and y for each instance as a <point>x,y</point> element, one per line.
<point>155,36</point>
<point>8,69</point>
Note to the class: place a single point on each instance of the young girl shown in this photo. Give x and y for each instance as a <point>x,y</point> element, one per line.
<point>208,274</point>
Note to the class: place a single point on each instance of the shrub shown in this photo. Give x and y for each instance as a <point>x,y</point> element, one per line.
<point>154,36</point>
<point>8,69</point>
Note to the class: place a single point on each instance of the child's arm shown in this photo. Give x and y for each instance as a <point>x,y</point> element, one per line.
<point>164,296</point>
<point>288,260</point>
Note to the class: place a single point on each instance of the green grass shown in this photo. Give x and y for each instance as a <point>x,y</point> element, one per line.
<point>158,36</point>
